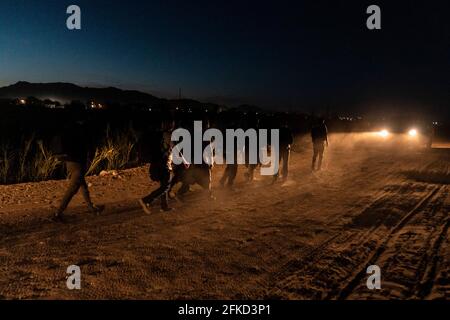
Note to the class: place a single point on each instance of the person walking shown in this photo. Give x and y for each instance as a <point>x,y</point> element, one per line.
<point>286,141</point>
<point>319,136</point>
<point>75,147</point>
<point>161,169</point>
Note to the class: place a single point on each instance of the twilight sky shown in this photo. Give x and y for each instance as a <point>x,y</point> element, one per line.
<point>288,55</point>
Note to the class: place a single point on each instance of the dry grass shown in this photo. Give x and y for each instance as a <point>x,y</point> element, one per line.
<point>23,154</point>
<point>115,153</point>
<point>33,161</point>
<point>44,164</point>
<point>5,163</point>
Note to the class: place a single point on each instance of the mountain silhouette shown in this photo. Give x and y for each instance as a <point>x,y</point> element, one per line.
<point>66,92</point>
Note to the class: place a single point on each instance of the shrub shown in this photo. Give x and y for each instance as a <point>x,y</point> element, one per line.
<point>116,151</point>
<point>44,164</point>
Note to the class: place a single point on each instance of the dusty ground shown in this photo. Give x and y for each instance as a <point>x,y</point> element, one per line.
<point>309,238</point>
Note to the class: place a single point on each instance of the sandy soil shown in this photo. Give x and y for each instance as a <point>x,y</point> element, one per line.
<point>383,203</point>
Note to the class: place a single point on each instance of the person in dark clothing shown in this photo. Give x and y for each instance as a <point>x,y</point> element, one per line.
<point>179,177</point>
<point>286,141</point>
<point>250,174</point>
<point>431,135</point>
<point>231,169</point>
<point>251,167</point>
<point>161,170</point>
<point>229,175</point>
<point>190,174</point>
<point>200,174</point>
<point>75,153</point>
<point>319,136</point>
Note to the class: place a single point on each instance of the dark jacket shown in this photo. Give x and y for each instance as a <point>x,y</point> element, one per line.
<point>319,133</point>
<point>161,156</point>
<point>286,137</point>
<point>72,144</point>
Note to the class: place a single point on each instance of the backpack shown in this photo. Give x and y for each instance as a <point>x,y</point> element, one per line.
<point>57,147</point>
<point>150,147</point>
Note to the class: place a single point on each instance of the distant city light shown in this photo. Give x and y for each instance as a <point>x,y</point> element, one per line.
<point>95,105</point>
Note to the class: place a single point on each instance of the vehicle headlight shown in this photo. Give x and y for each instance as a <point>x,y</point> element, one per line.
<point>383,133</point>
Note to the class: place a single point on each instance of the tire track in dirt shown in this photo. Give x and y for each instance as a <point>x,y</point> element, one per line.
<point>296,261</point>
<point>395,232</point>
<point>302,261</point>
<point>408,258</point>
<point>424,288</point>
<point>335,261</point>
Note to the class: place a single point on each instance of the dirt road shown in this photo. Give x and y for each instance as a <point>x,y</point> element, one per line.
<point>309,238</point>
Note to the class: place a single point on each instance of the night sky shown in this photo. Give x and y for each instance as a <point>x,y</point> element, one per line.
<point>300,55</point>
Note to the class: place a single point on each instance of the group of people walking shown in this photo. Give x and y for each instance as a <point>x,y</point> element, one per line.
<point>167,174</point>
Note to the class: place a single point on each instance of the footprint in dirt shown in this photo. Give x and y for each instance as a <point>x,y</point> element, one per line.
<point>288,183</point>
<point>317,175</point>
